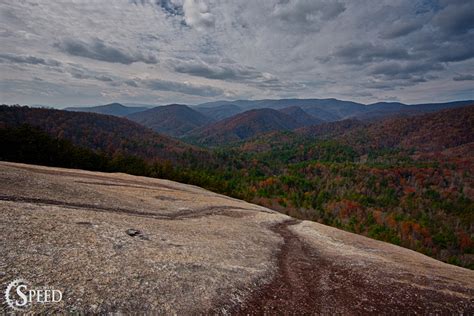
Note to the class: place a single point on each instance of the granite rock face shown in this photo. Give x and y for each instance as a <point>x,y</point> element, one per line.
<point>121,243</point>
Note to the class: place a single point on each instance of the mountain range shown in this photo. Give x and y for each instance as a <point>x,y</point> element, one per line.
<point>223,121</point>
<point>334,109</point>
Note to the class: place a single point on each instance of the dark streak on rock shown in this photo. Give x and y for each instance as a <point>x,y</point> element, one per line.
<point>183,214</point>
<point>307,284</point>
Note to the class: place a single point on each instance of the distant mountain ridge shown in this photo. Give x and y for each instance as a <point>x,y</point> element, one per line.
<point>115,109</point>
<point>219,112</point>
<point>324,109</point>
<point>335,110</point>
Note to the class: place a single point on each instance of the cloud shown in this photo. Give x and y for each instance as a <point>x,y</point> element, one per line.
<point>455,52</point>
<point>181,87</point>
<point>131,83</point>
<point>308,11</point>
<point>363,53</point>
<point>400,28</point>
<point>21,59</point>
<point>405,70</point>
<point>99,50</point>
<point>466,77</point>
<point>196,14</point>
<point>41,91</point>
<point>170,7</point>
<point>79,72</point>
<point>222,69</point>
<point>231,71</point>
<point>304,15</point>
<point>206,49</point>
<point>394,83</point>
<point>457,17</point>
<point>103,78</point>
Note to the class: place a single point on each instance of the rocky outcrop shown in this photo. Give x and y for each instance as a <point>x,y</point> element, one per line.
<point>120,243</point>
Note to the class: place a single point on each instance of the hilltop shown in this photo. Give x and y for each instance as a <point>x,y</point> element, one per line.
<point>173,120</point>
<point>301,117</point>
<point>245,125</point>
<point>115,109</point>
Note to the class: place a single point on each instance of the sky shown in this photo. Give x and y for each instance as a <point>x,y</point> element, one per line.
<point>88,52</point>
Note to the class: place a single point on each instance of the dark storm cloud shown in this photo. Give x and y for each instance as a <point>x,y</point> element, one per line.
<point>229,70</point>
<point>21,59</point>
<point>363,53</point>
<point>404,70</point>
<point>79,72</point>
<point>456,18</point>
<point>103,78</point>
<point>131,83</point>
<point>463,77</point>
<point>395,82</point>
<point>181,87</point>
<point>399,29</point>
<point>99,50</point>
<point>223,71</point>
<point>79,75</point>
<point>454,52</point>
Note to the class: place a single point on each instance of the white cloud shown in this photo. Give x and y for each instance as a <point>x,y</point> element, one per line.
<point>196,14</point>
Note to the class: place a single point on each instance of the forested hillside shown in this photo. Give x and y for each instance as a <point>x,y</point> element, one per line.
<point>424,133</point>
<point>109,134</point>
<point>173,120</point>
<point>243,126</point>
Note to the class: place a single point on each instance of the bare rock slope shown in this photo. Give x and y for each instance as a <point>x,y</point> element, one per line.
<point>120,243</point>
